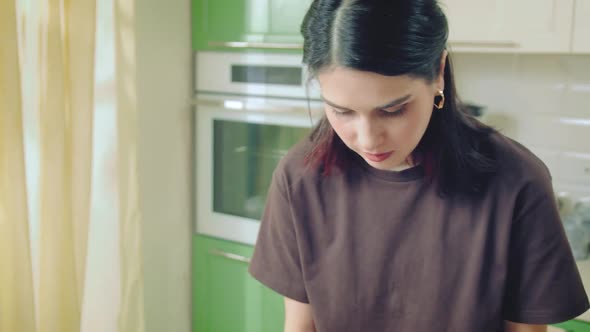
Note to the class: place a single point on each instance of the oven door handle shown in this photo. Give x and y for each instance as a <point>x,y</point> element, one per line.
<point>230,256</point>
<point>260,45</point>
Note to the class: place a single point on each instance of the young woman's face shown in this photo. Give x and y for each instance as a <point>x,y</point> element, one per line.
<point>382,118</point>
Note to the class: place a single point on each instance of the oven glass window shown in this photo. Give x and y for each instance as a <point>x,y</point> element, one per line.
<point>267,75</point>
<point>244,158</point>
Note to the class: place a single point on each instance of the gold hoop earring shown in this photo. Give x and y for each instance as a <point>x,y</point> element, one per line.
<point>441,103</point>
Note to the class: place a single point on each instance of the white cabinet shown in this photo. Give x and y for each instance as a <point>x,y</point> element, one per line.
<point>477,21</point>
<point>581,40</point>
<point>525,26</point>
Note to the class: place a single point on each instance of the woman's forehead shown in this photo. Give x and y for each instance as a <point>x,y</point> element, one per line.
<point>351,88</point>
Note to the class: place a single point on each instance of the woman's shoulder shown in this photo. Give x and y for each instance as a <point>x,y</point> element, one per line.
<point>294,167</point>
<point>518,164</point>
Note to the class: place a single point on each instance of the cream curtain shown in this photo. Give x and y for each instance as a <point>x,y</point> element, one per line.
<point>50,280</point>
<point>66,113</point>
<point>131,318</point>
<point>16,292</point>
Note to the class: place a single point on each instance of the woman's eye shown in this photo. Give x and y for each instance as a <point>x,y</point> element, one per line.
<point>384,112</point>
<point>339,112</point>
<point>396,112</point>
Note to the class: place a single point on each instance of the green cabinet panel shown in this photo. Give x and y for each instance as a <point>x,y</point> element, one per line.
<point>575,326</point>
<point>225,297</point>
<point>259,22</point>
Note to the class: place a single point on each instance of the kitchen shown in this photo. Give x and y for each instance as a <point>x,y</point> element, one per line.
<point>506,68</point>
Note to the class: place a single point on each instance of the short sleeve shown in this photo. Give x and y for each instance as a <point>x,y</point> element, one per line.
<point>543,285</point>
<point>276,262</point>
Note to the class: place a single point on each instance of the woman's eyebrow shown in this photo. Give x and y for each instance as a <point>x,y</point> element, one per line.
<point>392,103</point>
<point>396,102</point>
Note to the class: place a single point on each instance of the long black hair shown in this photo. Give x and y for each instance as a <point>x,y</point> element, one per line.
<point>399,37</point>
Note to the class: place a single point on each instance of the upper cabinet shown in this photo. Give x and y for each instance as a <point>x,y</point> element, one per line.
<point>521,26</point>
<point>494,26</point>
<point>581,40</point>
<point>248,24</point>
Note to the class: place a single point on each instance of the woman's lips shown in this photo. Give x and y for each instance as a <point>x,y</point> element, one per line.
<point>377,157</point>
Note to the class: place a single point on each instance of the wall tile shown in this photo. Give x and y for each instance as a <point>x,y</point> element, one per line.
<point>543,101</point>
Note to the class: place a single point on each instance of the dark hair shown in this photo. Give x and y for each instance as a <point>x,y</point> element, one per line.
<point>403,37</point>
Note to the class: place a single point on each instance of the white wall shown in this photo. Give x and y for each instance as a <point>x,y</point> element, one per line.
<point>543,101</point>
<point>164,89</point>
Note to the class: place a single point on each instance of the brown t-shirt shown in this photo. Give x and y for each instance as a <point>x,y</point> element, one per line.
<point>374,250</point>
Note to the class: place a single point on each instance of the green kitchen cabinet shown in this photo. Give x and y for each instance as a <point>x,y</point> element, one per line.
<point>248,24</point>
<point>575,326</point>
<point>225,297</point>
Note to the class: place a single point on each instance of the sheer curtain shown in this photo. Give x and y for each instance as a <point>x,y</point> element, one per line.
<point>69,219</point>
<point>16,293</point>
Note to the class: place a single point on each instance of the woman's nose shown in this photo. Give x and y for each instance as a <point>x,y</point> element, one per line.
<point>369,135</point>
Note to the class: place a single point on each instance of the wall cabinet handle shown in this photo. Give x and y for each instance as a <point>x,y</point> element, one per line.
<point>230,256</point>
<point>298,46</point>
<point>260,45</point>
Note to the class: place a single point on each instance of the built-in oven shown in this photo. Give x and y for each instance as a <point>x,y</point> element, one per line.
<point>250,110</point>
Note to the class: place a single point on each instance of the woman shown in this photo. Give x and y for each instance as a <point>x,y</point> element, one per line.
<point>402,213</point>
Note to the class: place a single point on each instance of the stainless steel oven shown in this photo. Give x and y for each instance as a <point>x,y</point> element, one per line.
<point>250,110</point>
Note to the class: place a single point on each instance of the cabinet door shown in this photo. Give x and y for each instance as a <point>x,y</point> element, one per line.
<point>543,25</point>
<point>573,326</point>
<point>244,24</point>
<point>225,297</point>
<point>477,21</point>
<point>217,20</point>
<point>581,42</point>
<point>509,25</point>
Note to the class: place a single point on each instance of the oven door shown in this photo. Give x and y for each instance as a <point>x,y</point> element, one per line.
<point>237,152</point>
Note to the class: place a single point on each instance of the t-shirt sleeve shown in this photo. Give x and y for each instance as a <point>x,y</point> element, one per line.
<point>276,262</point>
<point>543,285</point>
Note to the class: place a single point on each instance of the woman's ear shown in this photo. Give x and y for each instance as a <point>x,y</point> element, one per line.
<point>440,80</point>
